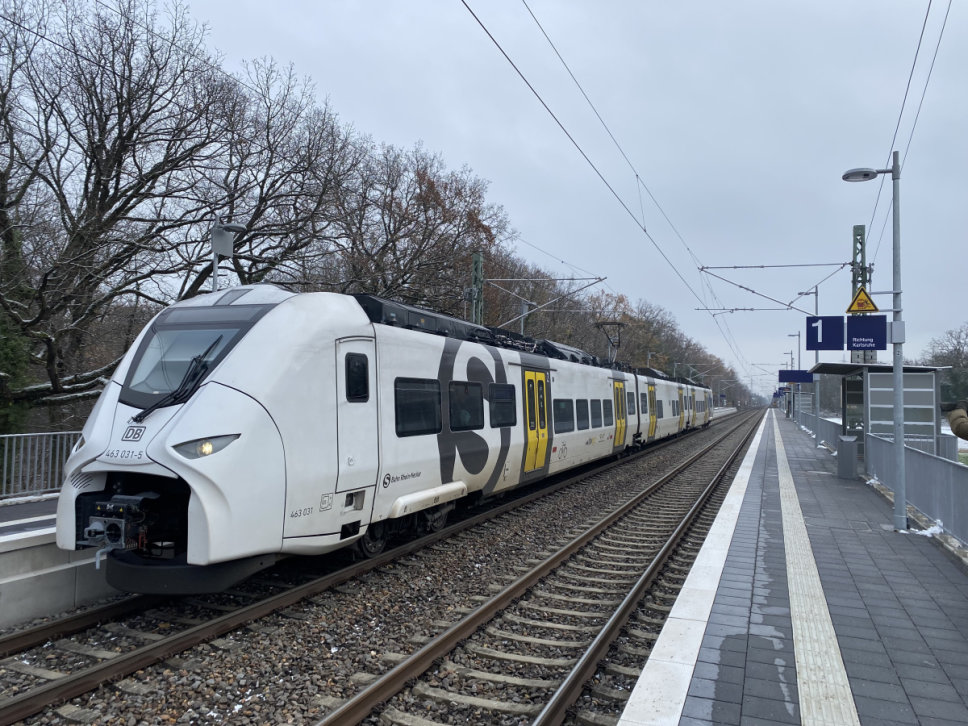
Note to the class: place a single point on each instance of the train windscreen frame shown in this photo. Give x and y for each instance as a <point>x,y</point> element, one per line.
<point>177,336</point>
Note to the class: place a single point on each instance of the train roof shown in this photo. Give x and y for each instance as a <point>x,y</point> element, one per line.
<point>389,312</point>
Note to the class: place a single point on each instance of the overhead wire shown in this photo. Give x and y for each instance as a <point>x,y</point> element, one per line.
<point>640,184</point>
<point>907,148</point>
<point>639,181</point>
<point>900,116</point>
<point>579,148</point>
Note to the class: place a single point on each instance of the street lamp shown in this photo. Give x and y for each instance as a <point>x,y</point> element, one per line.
<point>816,360</point>
<point>796,391</point>
<point>797,336</point>
<point>897,339</point>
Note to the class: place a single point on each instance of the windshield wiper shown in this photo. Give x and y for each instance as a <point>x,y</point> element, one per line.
<point>195,372</point>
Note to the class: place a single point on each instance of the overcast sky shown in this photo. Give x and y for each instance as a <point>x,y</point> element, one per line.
<point>739,118</point>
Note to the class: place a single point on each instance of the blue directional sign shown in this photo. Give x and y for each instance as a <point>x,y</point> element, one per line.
<point>867,332</point>
<point>825,332</point>
<point>795,376</point>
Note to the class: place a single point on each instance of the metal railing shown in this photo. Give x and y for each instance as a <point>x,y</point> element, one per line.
<point>825,431</point>
<point>34,463</point>
<point>936,486</point>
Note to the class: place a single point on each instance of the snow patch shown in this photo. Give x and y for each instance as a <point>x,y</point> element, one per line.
<point>932,531</point>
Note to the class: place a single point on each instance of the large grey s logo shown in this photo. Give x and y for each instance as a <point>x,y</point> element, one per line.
<point>468,445</point>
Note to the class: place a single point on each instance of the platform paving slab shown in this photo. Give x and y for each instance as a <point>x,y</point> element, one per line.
<point>897,603</point>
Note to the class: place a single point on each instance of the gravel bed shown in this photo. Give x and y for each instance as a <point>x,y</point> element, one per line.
<point>6,630</point>
<point>14,682</point>
<point>295,666</point>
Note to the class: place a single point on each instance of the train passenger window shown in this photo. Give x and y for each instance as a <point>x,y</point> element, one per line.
<point>357,378</point>
<point>563,410</point>
<point>532,424</point>
<point>417,406</point>
<point>581,414</point>
<point>502,404</point>
<point>542,420</point>
<point>596,414</point>
<point>658,408</point>
<point>466,406</point>
<point>607,412</point>
<point>644,403</point>
<point>631,404</point>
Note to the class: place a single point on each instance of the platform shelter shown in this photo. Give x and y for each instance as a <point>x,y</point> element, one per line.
<point>867,404</point>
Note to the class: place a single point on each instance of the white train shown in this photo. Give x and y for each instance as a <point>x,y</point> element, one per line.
<point>254,422</point>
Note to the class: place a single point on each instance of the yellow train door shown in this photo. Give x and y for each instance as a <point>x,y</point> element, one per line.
<point>536,416</point>
<point>653,418</point>
<point>621,417</point>
<point>682,411</point>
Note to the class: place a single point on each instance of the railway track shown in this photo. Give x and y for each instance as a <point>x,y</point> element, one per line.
<point>559,619</point>
<point>53,663</point>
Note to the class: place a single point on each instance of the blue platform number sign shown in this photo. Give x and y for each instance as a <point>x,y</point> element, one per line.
<point>867,332</point>
<point>825,332</point>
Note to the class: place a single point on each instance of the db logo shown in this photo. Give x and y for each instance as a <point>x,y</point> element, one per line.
<point>133,433</point>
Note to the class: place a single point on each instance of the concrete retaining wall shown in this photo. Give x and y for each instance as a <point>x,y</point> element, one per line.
<point>38,579</point>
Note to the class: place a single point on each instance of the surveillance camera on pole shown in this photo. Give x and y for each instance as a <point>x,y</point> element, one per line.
<point>223,244</point>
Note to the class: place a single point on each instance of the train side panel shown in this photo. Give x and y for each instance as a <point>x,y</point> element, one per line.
<point>327,479</point>
<point>583,419</point>
<point>437,437</point>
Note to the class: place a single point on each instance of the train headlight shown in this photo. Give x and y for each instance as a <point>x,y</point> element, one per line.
<point>200,448</point>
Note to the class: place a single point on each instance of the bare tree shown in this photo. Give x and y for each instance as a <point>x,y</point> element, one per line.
<point>110,119</point>
<point>122,141</point>
<point>408,228</point>
<point>951,351</point>
<point>283,163</point>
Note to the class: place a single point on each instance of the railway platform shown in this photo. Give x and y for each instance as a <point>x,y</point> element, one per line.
<point>27,514</point>
<point>37,578</point>
<point>805,606</point>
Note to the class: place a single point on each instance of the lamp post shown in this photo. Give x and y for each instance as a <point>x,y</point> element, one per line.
<point>897,339</point>
<point>797,336</point>
<point>793,398</point>
<point>796,391</point>
<point>816,360</point>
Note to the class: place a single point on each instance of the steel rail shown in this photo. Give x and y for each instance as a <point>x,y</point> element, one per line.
<point>571,689</point>
<point>359,706</point>
<point>39,634</point>
<point>75,684</point>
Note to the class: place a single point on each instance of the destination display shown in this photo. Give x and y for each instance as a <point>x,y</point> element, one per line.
<point>867,332</point>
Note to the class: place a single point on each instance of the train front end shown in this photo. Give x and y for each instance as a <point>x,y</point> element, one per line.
<point>160,484</point>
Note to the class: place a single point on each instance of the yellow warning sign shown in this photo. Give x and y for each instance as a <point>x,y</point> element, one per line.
<point>862,303</point>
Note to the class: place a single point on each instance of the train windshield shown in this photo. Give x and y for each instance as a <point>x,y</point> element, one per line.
<point>184,343</point>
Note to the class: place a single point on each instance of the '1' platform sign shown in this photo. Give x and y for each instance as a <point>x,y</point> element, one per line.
<point>825,332</point>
